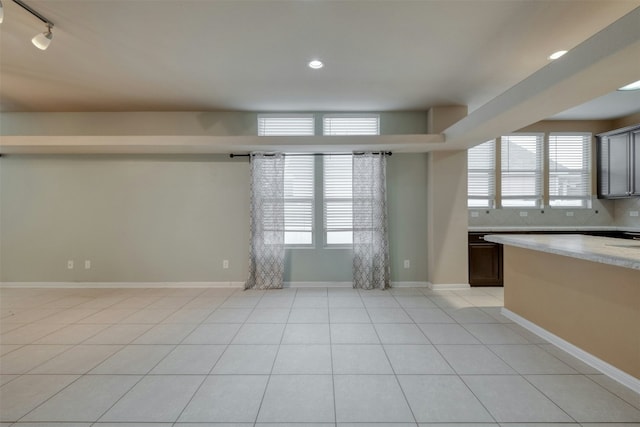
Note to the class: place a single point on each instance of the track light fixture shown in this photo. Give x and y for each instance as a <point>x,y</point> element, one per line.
<point>1,12</point>
<point>42,40</point>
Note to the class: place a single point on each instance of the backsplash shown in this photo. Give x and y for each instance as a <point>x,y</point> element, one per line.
<point>601,213</point>
<point>623,211</point>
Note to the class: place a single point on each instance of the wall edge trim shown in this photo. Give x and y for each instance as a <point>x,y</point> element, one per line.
<point>121,284</point>
<point>448,286</point>
<point>607,369</point>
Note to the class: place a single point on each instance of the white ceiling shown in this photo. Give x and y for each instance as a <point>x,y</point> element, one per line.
<point>610,106</point>
<point>200,55</point>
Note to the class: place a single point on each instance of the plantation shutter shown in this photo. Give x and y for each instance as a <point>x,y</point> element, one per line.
<point>481,161</point>
<point>298,200</point>
<point>351,125</point>
<point>569,169</point>
<point>338,199</point>
<point>521,171</point>
<point>289,125</point>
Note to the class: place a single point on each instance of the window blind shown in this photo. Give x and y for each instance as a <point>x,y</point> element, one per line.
<point>521,171</point>
<point>351,125</point>
<point>286,125</point>
<point>298,200</point>
<point>569,170</point>
<point>481,175</point>
<point>338,199</point>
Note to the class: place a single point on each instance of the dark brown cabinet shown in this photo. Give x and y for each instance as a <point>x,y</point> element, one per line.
<point>485,258</point>
<point>618,163</point>
<point>485,261</point>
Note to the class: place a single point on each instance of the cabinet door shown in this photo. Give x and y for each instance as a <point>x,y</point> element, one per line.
<point>603,166</point>
<point>635,163</point>
<point>485,264</point>
<point>619,165</point>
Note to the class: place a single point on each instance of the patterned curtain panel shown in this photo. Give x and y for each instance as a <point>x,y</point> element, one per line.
<point>370,241</point>
<point>266,248</point>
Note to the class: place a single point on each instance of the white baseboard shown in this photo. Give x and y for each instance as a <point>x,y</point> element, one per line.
<point>87,285</point>
<point>350,284</point>
<point>410,284</point>
<point>318,284</point>
<point>448,286</point>
<point>609,370</point>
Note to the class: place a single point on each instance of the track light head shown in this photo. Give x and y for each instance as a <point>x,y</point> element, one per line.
<point>1,12</point>
<point>42,40</point>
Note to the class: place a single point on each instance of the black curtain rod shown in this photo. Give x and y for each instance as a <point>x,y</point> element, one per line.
<point>386,153</point>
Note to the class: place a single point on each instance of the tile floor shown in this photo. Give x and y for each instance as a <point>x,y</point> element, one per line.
<point>316,357</point>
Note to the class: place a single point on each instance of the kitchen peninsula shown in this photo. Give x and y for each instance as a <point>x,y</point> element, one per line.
<point>579,292</point>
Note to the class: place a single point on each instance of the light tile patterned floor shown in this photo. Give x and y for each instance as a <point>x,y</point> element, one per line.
<point>312,356</point>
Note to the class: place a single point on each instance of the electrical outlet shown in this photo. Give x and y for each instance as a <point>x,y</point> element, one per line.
<point>474,214</point>
<point>407,263</point>
<point>569,213</point>
<point>633,213</point>
<point>524,213</point>
<point>87,264</point>
<point>225,263</point>
<point>70,264</point>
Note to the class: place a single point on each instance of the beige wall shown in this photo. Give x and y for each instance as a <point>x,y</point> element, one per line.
<point>632,120</point>
<point>447,219</point>
<point>594,306</point>
<point>440,118</point>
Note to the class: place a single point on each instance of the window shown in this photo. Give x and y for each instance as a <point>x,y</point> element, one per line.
<point>298,200</point>
<point>351,124</point>
<point>337,176</point>
<point>286,125</point>
<point>569,170</point>
<point>338,199</point>
<point>334,180</point>
<point>481,175</point>
<point>521,171</point>
<point>298,176</point>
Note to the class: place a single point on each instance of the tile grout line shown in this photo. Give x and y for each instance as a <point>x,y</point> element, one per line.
<point>204,379</point>
<point>143,376</point>
<point>333,377</point>
<point>266,387</point>
<point>395,375</point>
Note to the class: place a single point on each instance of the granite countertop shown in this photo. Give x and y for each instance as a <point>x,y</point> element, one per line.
<point>606,250</point>
<point>498,228</point>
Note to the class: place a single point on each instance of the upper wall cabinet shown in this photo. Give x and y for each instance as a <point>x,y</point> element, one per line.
<point>619,163</point>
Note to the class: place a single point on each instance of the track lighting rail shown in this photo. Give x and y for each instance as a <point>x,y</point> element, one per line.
<point>33,12</point>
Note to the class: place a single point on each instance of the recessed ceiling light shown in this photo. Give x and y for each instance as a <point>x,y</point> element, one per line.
<point>631,86</point>
<point>315,64</point>
<point>556,55</point>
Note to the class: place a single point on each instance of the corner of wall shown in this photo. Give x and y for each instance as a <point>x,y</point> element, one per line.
<point>440,118</point>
